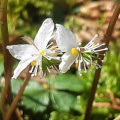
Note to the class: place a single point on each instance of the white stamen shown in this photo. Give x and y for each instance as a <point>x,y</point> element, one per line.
<point>48,69</point>
<point>91,42</point>
<point>33,75</point>
<point>41,73</point>
<point>97,65</point>
<point>79,65</point>
<point>84,64</point>
<point>49,45</point>
<point>48,57</point>
<point>100,50</point>
<point>98,45</point>
<point>31,69</point>
<point>79,44</point>
<point>57,70</point>
<point>35,70</point>
<point>89,46</point>
<point>87,62</point>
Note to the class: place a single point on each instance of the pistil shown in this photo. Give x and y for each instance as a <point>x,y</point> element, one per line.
<point>42,52</point>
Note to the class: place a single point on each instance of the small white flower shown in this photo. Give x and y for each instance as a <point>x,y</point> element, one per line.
<point>82,56</point>
<point>34,52</point>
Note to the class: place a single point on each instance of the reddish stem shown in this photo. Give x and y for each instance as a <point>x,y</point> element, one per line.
<point>6,97</point>
<point>107,39</point>
<point>18,96</point>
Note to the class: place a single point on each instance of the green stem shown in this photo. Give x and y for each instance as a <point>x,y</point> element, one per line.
<point>6,92</point>
<point>18,96</point>
<point>107,39</point>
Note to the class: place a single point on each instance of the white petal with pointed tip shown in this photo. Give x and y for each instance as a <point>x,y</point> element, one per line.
<point>44,34</point>
<point>67,60</point>
<point>22,51</point>
<point>21,66</point>
<point>65,38</point>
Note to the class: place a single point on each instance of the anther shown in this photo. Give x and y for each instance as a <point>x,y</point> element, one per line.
<point>54,55</point>
<point>76,65</point>
<point>53,47</point>
<point>74,51</point>
<point>33,63</point>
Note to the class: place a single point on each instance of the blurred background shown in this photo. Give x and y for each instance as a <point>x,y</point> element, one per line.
<point>85,18</point>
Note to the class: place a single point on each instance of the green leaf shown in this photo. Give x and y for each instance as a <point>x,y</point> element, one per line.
<point>37,100</point>
<point>67,82</point>
<point>62,101</point>
<point>34,97</point>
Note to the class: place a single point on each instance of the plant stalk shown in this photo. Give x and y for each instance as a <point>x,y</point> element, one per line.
<point>107,38</point>
<point>18,96</point>
<point>6,97</point>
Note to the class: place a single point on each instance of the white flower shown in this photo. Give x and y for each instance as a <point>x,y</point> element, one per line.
<point>83,57</point>
<point>34,52</point>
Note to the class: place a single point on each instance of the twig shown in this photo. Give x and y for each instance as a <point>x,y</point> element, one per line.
<point>6,92</point>
<point>18,114</point>
<point>106,104</point>
<point>18,96</point>
<point>107,39</point>
<point>110,96</point>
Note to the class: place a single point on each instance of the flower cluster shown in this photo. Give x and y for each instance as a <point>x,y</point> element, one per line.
<point>42,54</point>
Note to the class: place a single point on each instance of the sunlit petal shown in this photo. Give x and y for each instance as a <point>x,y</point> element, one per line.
<point>21,66</point>
<point>44,34</point>
<point>22,51</point>
<point>65,38</point>
<point>67,60</point>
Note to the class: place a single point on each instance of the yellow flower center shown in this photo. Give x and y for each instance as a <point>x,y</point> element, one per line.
<point>42,52</point>
<point>74,51</point>
<point>53,47</point>
<point>33,63</point>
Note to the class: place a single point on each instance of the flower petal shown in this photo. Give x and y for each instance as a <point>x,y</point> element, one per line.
<point>67,60</point>
<point>65,38</point>
<point>44,34</point>
<point>22,51</point>
<point>21,66</point>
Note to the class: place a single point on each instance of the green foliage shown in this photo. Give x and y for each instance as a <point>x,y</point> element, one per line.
<point>36,100</point>
<point>109,84</point>
<point>64,116</point>
<point>65,96</point>
<point>117,0</point>
<point>67,82</point>
<point>62,101</point>
<point>22,16</point>
<point>34,95</point>
<point>60,92</point>
<point>113,59</point>
<point>101,19</point>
